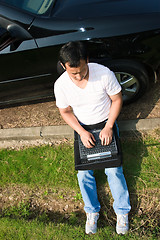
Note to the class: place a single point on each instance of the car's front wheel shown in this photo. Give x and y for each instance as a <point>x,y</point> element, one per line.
<point>133,78</point>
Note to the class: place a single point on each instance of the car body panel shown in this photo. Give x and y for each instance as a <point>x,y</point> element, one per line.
<point>27,80</point>
<point>86,30</point>
<point>85,9</point>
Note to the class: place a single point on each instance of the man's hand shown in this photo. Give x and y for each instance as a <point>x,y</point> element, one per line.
<point>87,139</point>
<point>106,135</point>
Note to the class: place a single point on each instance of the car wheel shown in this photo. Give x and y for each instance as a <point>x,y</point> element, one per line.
<point>133,78</point>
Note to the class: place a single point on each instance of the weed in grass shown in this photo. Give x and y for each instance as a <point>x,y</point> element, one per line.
<point>78,197</point>
<point>22,210</point>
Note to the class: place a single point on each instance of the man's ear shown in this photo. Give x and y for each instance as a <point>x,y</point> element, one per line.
<point>63,66</point>
<point>60,68</point>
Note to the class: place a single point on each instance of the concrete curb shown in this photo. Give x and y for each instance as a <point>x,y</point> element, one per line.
<point>64,131</point>
<point>139,124</point>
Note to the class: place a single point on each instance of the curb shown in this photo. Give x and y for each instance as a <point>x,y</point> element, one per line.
<point>64,131</point>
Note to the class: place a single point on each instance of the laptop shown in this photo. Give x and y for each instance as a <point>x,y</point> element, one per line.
<point>99,156</point>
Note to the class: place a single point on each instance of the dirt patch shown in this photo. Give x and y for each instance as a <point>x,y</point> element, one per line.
<point>60,205</point>
<point>39,201</point>
<point>47,114</point>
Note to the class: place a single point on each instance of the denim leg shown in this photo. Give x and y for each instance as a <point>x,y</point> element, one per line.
<point>87,184</point>
<point>119,190</point>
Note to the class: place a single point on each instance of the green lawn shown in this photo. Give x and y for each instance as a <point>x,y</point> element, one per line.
<point>31,179</point>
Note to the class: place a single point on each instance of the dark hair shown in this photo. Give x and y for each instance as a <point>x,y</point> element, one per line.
<point>72,53</point>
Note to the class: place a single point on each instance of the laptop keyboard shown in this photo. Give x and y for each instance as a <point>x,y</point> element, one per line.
<point>99,150</point>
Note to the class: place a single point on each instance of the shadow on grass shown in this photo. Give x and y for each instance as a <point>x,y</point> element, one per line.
<point>133,153</point>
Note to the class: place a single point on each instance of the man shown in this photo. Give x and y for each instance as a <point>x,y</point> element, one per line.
<point>89,93</point>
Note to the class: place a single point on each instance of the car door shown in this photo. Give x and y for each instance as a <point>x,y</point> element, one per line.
<point>21,73</point>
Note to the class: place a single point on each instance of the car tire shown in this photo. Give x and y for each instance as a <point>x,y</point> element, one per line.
<point>133,78</point>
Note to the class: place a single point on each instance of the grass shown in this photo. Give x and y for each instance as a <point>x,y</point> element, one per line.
<point>41,166</point>
<point>31,179</point>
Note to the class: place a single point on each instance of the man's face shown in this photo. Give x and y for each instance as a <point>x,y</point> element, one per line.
<point>77,73</point>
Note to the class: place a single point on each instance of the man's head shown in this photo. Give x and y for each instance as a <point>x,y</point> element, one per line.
<point>72,53</point>
<point>73,57</point>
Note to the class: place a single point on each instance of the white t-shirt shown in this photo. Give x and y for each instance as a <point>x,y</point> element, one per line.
<point>90,105</point>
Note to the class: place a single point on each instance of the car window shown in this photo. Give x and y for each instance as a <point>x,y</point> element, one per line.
<point>33,6</point>
<point>5,38</point>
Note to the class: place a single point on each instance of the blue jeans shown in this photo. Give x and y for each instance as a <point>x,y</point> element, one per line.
<point>118,187</point>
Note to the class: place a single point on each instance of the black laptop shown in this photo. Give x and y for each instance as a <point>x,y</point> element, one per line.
<point>99,156</point>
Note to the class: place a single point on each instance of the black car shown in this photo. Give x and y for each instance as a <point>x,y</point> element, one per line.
<point>121,34</point>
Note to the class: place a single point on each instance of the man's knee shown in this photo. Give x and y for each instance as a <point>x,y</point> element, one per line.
<point>84,175</point>
<point>114,171</point>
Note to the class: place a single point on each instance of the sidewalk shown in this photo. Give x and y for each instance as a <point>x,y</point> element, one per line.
<point>64,131</point>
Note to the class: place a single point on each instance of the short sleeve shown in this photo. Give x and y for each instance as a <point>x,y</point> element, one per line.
<point>61,101</point>
<point>112,87</point>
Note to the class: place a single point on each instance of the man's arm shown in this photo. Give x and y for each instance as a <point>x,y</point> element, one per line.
<point>107,132</point>
<point>68,116</point>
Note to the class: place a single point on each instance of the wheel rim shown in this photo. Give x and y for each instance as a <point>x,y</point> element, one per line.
<point>129,83</point>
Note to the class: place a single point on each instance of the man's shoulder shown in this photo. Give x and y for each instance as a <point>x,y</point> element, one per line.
<point>61,80</point>
<point>98,66</point>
